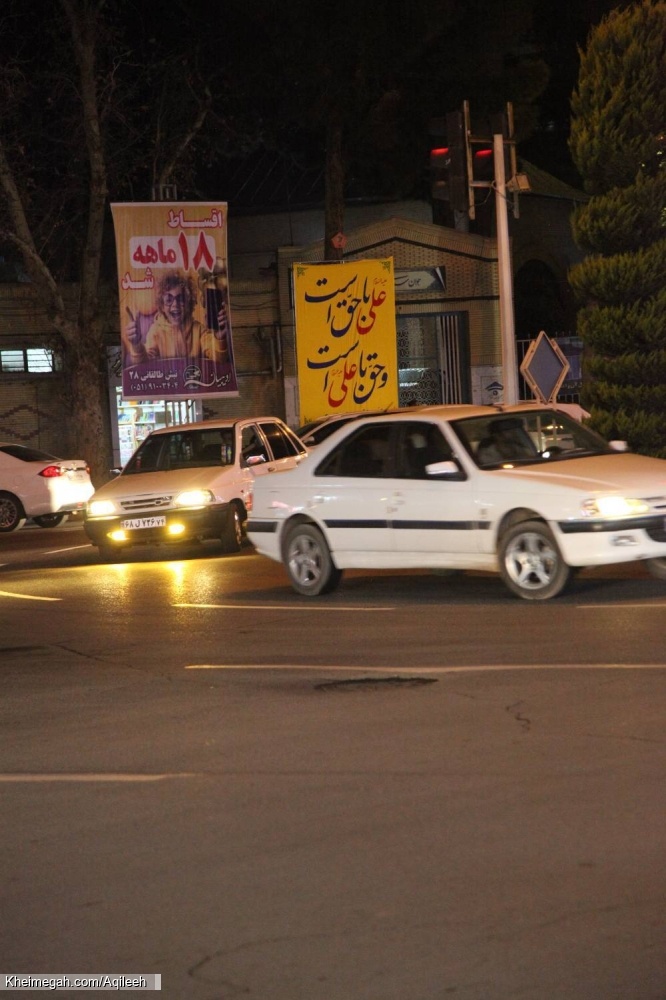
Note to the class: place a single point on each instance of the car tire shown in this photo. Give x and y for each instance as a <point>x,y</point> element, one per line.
<point>657,567</point>
<point>12,515</point>
<point>309,562</point>
<point>49,520</point>
<point>531,564</point>
<point>232,533</point>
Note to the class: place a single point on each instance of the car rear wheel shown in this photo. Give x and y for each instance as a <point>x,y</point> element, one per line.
<point>309,562</point>
<point>232,533</point>
<point>657,567</point>
<point>530,562</point>
<point>12,515</point>
<point>49,520</point>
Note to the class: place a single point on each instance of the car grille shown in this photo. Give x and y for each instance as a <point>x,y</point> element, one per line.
<point>132,504</point>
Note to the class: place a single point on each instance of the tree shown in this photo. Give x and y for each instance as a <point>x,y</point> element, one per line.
<point>618,144</point>
<point>84,115</point>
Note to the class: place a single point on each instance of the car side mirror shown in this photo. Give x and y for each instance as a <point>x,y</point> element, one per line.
<point>255,460</point>
<point>449,470</point>
<point>619,445</point>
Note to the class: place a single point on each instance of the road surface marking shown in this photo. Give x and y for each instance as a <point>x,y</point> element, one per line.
<point>100,776</point>
<point>69,548</point>
<point>341,668</point>
<point>597,607</point>
<point>279,607</point>
<point>27,597</point>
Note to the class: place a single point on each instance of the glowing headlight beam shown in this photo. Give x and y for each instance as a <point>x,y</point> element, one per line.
<point>614,507</point>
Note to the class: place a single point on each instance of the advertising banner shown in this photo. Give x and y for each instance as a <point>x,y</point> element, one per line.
<point>346,342</point>
<point>174,300</point>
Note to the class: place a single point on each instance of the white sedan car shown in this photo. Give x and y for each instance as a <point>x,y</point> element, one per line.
<point>37,485</point>
<point>523,490</point>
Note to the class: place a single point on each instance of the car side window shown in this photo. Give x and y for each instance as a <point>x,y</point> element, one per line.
<point>367,454</point>
<point>421,444</point>
<point>280,443</point>
<point>253,446</point>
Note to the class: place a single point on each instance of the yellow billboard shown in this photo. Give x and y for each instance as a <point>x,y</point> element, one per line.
<point>346,343</point>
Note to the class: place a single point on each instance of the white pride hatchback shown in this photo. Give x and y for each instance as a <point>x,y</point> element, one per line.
<point>522,490</point>
<point>190,482</point>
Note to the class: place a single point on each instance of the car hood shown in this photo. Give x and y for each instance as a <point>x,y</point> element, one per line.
<point>631,475</point>
<point>147,483</point>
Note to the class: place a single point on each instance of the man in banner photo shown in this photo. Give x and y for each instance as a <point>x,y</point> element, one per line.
<point>174,300</point>
<point>346,342</point>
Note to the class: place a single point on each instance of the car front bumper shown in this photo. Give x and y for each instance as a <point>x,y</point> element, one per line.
<point>169,527</point>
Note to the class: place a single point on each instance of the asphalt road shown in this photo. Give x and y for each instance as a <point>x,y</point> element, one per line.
<point>414,788</point>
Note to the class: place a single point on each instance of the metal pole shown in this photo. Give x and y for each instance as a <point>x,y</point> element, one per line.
<point>507,326</point>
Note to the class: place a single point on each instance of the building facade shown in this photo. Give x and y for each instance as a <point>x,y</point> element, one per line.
<point>447,314</point>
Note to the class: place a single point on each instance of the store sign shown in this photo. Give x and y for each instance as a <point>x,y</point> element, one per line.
<point>421,279</point>
<point>174,300</point>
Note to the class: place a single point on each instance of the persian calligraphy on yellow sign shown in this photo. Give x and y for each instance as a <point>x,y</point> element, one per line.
<point>346,346</point>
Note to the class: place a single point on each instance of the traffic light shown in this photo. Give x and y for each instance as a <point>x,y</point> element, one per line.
<point>448,162</point>
<point>458,192</point>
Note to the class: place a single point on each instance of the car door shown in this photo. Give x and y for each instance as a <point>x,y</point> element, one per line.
<point>351,487</point>
<point>430,514</point>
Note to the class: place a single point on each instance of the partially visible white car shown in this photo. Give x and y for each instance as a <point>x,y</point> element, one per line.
<point>316,431</point>
<point>37,485</point>
<point>522,490</point>
<point>192,481</point>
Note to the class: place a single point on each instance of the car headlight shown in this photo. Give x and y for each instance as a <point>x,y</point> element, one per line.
<point>101,508</point>
<point>194,498</point>
<point>614,507</point>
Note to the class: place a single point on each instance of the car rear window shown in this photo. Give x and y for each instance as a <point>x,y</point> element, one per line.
<point>26,454</point>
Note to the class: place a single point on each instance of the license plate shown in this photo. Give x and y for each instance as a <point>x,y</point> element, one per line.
<point>143,522</point>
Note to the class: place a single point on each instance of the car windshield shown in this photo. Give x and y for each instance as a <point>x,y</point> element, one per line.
<point>508,439</point>
<point>318,430</point>
<point>322,431</point>
<point>183,449</point>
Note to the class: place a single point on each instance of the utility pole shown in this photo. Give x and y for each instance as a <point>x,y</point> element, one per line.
<point>453,165</point>
<point>507,323</point>
<point>499,183</point>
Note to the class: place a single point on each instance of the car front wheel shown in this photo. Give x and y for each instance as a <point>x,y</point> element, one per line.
<point>657,567</point>
<point>309,563</point>
<point>12,515</point>
<point>530,562</point>
<point>232,532</point>
<point>49,520</point>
